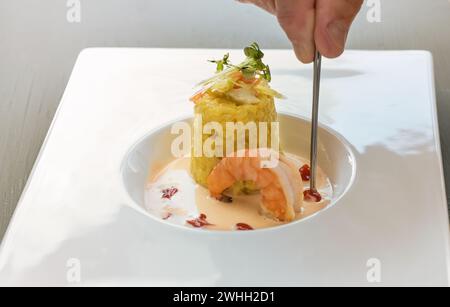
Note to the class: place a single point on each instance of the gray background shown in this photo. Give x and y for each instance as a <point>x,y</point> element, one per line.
<point>38,48</point>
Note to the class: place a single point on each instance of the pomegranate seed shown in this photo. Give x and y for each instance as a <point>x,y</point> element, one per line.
<point>312,195</point>
<point>169,193</point>
<point>305,172</point>
<point>199,222</point>
<point>243,226</point>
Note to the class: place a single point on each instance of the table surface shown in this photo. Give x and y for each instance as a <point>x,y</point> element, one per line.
<point>76,206</point>
<point>39,48</point>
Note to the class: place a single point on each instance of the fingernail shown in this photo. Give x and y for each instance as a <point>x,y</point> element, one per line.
<point>338,33</point>
<point>304,54</point>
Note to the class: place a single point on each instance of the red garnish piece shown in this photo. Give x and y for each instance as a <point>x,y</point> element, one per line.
<point>199,222</point>
<point>167,216</point>
<point>305,172</point>
<point>169,193</point>
<point>311,195</point>
<point>224,199</point>
<point>243,226</point>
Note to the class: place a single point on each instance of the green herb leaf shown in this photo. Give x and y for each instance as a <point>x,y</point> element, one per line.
<point>253,51</point>
<point>221,63</point>
<point>252,66</point>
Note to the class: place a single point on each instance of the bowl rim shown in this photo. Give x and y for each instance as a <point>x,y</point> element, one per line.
<point>133,204</point>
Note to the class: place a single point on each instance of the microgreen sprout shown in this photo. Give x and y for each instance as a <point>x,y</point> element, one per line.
<point>221,63</point>
<point>252,65</point>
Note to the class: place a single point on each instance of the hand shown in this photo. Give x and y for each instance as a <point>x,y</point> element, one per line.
<point>313,23</point>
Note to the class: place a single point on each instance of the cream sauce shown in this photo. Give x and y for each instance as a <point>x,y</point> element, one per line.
<point>191,200</point>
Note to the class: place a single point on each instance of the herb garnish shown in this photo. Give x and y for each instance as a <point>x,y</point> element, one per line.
<point>251,67</point>
<point>244,83</point>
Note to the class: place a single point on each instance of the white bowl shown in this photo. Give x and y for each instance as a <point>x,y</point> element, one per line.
<point>154,150</point>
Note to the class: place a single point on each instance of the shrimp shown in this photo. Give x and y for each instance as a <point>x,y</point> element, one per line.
<point>280,187</point>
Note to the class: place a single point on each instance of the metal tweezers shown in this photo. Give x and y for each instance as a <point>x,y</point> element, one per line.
<point>314,119</point>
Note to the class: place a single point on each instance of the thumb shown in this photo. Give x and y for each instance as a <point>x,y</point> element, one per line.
<point>333,21</point>
<point>297,18</point>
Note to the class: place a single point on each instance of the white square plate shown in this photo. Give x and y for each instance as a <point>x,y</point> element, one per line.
<point>74,213</point>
